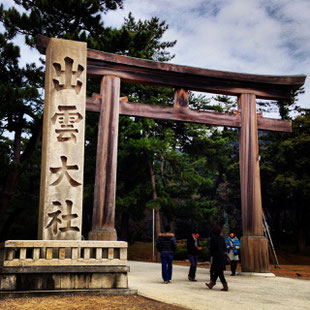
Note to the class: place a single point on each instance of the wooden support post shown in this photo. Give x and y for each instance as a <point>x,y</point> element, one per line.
<point>254,249</point>
<point>106,163</point>
<point>181,98</point>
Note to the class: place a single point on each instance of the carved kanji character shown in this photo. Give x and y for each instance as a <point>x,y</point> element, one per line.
<point>66,120</point>
<point>64,172</point>
<point>57,220</point>
<point>64,77</point>
<point>68,217</point>
<point>54,218</point>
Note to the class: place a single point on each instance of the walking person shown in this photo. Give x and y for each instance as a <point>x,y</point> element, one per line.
<point>193,249</point>
<point>218,254</point>
<point>233,246</point>
<point>166,245</point>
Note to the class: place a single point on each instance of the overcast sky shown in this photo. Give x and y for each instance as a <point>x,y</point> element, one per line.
<point>253,36</point>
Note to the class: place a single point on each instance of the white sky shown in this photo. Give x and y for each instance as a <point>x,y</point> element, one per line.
<point>253,36</point>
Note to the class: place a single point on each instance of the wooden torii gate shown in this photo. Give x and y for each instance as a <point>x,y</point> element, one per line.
<point>247,87</point>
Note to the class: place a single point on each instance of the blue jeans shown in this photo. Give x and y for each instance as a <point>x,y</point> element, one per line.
<point>166,265</point>
<point>193,267</point>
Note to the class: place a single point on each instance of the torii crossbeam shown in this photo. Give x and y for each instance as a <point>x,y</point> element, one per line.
<point>247,87</point>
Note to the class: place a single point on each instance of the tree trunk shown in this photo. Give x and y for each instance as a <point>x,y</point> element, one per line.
<point>14,171</point>
<point>301,240</point>
<point>302,226</point>
<point>8,223</point>
<point>157,212</point>
<point>124,231</point>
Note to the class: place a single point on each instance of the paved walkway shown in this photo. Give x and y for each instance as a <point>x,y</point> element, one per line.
<point>245,292</point>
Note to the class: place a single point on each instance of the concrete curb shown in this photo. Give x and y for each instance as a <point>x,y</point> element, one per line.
<point>84,292</point>
<point>256,274</point>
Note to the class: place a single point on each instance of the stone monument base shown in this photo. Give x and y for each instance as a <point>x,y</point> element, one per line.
<point>83,292</point>
<point>63,278</point>
<point>66,266</point>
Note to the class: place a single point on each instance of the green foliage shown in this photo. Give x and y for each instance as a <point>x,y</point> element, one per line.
<point>205,252</point>
<point>286,180</point>
<point>20,116</point>
<point>19,94</point>
<point>180,252</point>
<point>283,107</point>
<point>74,18</point>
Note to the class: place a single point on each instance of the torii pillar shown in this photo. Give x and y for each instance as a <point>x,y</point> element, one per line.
<point>254,250</point>
<point>106,162</point>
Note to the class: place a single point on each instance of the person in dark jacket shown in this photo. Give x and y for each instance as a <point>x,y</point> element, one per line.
<point>166,245</point>
<point>193,249</point>
<point>218,254</point>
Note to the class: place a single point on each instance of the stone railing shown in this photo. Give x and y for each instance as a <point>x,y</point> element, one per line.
<point>20,253</point>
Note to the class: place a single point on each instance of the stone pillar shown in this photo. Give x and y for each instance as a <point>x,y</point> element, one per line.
<point>254,251</point>
<point>61,190</point>
<point>106,162</point>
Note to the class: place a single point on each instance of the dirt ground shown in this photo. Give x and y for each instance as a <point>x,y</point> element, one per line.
<point>85,303</point>
<point>293,271</point>
<point>292,265</point>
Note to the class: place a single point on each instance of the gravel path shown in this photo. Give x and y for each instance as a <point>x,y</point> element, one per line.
<point>245,292</point>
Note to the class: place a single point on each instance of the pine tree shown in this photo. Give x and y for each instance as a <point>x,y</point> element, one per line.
<point>134,38</point>
<point>286,181</point>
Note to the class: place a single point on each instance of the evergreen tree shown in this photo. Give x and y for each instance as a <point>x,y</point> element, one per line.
<point>20,115</point>
<point>286,181</point>
<point>135,38</point>
<point>69,19</point>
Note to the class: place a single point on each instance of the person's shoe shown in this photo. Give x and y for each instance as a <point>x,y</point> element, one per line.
<point>192,279</point>
<point>233,274</point>
<point>166,282</point>
<point>210,285</point>
<point>225,287</point>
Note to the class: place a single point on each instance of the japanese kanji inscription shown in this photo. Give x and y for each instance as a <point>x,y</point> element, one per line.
<point>60,215</point>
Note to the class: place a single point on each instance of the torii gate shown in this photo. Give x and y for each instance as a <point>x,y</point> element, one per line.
<point>247,87</point>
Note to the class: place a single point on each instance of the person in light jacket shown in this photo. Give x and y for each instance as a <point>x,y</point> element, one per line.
<point>233,246</point>
<point>166,245</point>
